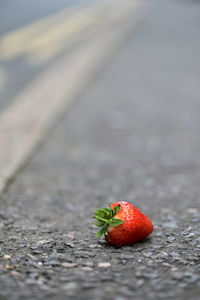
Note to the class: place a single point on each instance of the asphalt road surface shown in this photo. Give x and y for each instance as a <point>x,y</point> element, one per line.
<point>134,135</point>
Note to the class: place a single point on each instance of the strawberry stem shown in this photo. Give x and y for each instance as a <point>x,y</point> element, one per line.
<point>98,218</point>
<point>105,218</point>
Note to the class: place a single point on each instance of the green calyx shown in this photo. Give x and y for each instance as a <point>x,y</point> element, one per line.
<point>105,218</point>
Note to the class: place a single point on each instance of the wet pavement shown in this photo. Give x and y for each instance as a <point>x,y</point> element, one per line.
<point>134,135</point>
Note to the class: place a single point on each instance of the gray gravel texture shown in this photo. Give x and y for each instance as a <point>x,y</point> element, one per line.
<point>133,136</point>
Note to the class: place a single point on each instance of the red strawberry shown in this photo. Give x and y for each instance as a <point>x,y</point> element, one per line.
<point>122,224</point>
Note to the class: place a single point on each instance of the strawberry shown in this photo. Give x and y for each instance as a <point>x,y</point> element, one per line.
<point>122,224</point>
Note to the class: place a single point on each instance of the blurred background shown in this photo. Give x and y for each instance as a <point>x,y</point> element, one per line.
<point>51,51</point>
<point>35,34</point>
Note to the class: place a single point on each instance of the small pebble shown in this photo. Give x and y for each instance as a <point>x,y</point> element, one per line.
<point>104,265</point>
<point>69,265</point>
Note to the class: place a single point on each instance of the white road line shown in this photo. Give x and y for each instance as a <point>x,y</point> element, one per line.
<point>75,29</point>
<point>3,78</point>
<point>25,122</point>
<point>16,42</point>
<point>53,29</point>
